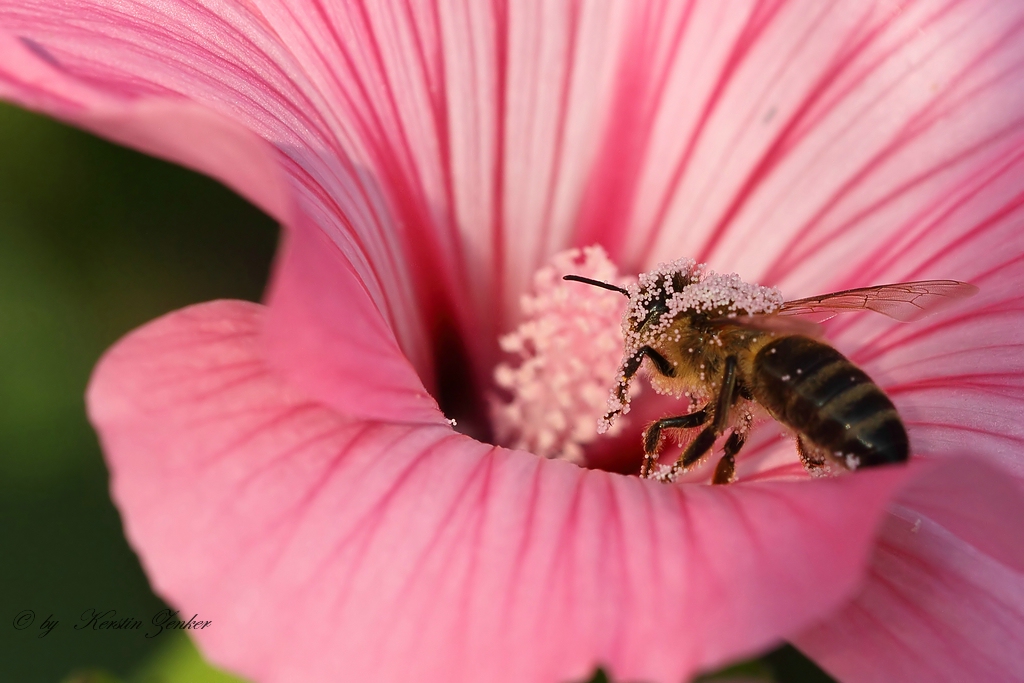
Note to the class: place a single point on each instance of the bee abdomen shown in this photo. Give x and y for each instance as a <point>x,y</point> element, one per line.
<point>815,390</point>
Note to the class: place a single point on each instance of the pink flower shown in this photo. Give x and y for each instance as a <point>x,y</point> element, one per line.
<point>285,471</point>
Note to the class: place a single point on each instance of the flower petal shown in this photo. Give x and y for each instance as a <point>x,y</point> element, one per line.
<point>976,503</point>
<point>450,149</point>
<point>325,548</point>
<point>326,334</point>
<point>177,130</point>
<point>944,599</point>
<point>848,144</point>
<point>220,62</point>
<point>366,381</point>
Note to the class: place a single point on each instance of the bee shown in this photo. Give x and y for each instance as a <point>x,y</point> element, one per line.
<point>730,346</point>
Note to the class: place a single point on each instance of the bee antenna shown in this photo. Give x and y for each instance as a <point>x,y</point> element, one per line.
<point>596,283</point>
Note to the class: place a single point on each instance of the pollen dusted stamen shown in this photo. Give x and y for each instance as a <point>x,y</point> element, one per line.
<point>568,344</point>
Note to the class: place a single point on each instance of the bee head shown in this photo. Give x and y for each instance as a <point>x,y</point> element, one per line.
<point>650,298</point>
<point>649,310</point>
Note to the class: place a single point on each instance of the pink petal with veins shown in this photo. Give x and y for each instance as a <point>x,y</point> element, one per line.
<point>175,129</point>
<point>944,600</point>
<point>395,551</point>
<point>335,344</point>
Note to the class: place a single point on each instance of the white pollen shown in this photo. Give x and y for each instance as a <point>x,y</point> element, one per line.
<point>679,290</point>
<point>565,348</point>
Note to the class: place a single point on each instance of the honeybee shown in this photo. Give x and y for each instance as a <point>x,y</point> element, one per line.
<point>727,344</point>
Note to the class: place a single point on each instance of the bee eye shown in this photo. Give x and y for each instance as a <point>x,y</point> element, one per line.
<point>656,309</point>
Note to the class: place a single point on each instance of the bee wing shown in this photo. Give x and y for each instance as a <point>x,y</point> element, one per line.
<point>904,301</point>
<point>771,322</point>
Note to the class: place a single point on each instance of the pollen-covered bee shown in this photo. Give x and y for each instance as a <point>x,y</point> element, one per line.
<point>727,345</point>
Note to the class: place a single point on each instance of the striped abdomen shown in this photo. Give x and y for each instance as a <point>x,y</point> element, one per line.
<point>815,390</point>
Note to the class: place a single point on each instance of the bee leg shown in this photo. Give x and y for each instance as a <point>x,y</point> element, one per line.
<point>652,435</point>
<point>813,460</point>
<point>725,473</point>
<point>706,439</point>
<point>632,366</point>
<point>660,362</point>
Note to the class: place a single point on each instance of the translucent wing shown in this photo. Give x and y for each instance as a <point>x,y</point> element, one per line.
<point>773,323</point>
<point>904,301</point>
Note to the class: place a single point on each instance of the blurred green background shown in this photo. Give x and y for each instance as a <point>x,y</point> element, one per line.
<point>96,240</point>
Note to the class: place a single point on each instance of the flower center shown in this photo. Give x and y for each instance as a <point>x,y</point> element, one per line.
<point>562,359</point>
<point>567,381</point>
